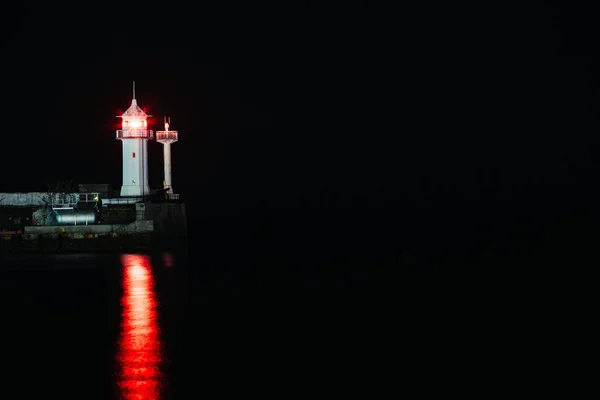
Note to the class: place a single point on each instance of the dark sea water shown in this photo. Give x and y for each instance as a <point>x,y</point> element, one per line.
<point>166,325</point>
<point>181,325</point>
<point>245,312</point>
<point>88,326</point>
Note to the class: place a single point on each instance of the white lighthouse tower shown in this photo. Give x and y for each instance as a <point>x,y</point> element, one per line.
<point>167,137</point>
<point>135,135</point>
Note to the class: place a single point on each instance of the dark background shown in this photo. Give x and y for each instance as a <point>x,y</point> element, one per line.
<point>332,131</point>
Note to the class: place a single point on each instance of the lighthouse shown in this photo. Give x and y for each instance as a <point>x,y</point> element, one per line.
<point>135,135</point>
<point>167,137</point>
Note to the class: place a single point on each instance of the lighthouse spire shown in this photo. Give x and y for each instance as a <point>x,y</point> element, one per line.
<point>133,100</point>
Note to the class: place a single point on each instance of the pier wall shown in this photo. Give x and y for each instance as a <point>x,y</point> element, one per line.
<point>123,229</point>
<point>136,235</point>
<point>142,225</point>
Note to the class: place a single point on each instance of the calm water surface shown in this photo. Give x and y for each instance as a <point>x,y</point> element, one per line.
<point>159,326</point>
<point>89,326</point>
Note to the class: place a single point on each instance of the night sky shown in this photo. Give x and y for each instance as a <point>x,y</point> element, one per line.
<point>468,129</point>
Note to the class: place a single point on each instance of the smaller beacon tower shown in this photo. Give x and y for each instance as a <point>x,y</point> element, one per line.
<point>135,135</point>
<point>167,137</point>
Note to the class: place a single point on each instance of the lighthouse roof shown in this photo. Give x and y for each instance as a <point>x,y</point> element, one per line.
<point>134,110</point>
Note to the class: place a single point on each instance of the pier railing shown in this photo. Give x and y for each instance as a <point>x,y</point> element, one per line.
<point>69,201</point>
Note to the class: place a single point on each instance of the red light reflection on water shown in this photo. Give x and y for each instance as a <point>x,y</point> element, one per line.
<point>168,260</point>
<point>139,355</point>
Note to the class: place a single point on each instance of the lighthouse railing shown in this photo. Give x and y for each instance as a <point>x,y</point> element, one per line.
<point>135,134</point>
<point>171,136</point>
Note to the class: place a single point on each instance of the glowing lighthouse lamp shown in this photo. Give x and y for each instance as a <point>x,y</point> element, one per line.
<point>135,135</point>
<point>167,137</point>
